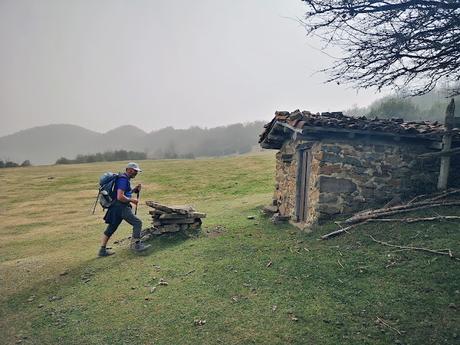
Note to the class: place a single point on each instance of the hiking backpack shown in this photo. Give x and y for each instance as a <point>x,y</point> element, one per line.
<point>106,186</point>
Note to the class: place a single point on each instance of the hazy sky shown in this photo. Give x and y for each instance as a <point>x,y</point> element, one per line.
<point>155,63</point>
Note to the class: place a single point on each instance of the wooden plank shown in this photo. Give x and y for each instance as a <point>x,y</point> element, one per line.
<point>158,206</point>
<point>450,152</point>
<point>307,184</point>
<point>156,212</point>
<point>174,216</point>
<point>181,209</point>
<point>182,216</point>
<point>298,185</point>
<point>313,129</point>
<point>446,144</point>
<point>198,215</point>
<point>159,222</point>
<point>303,190</point>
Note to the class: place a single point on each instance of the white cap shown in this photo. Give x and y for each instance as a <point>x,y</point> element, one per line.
<point>134,166</point>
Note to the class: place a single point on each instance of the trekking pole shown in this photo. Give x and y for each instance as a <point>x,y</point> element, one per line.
<point>138,193</point>
<point>95,203</point>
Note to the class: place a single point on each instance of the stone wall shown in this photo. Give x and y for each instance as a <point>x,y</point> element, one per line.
<point>348,176</point>
<point>285,179</point>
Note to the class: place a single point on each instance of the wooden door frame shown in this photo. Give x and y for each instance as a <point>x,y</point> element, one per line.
<point>304,158</point>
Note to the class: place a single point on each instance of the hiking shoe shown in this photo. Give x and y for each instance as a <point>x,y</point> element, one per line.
<point>104,252</point>
<point>139,246</point>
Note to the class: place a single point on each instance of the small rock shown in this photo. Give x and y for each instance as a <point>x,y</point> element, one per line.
<point>54,298</point>
<point>199,322</point>
<point>41,305</point>
<point>63,273</point>
<point>163,282</point>
<point>235,298</point>
<point>269,263</point>
<point>147,298</point>
<point>152,289</point>
<point>31,298</point>
<point>251,217</point>
<point>133,288</point>
<point>274,307</point>
<point>452,306</point>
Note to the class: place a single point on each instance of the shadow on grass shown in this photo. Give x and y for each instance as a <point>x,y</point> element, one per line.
<point>88,269</point>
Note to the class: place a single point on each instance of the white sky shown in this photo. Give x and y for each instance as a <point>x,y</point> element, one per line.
<point>156,63</point>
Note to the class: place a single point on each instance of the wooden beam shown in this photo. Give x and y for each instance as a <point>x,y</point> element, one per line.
<point>450,152</point>
<point>318,130</point>
<point>446,144</point>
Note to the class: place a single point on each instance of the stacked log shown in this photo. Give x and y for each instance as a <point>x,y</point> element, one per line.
<point>170,219</point>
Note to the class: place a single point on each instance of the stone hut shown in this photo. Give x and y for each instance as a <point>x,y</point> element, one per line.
<point>330,164</point>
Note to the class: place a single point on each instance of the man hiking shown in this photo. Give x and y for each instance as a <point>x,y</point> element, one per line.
<point>122,210</point>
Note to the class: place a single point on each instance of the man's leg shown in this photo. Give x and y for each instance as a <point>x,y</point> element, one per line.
<point>130,218</point>
<point>111,228</point>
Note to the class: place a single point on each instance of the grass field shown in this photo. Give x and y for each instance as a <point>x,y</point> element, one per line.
<point>349,290</point>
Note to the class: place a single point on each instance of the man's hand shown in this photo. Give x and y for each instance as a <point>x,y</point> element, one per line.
<point>134,201</point>
<point>137,189</point>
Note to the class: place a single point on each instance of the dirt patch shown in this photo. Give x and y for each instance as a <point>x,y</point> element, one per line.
<point>216,231</point>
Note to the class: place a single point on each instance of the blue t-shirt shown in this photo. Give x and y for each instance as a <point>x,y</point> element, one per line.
<point>123,184</point>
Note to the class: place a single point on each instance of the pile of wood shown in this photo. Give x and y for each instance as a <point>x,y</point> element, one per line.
<point>442,199</point>
<point>168,219</point>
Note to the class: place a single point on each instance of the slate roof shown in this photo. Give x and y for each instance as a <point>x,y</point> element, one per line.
<point>281,127</point>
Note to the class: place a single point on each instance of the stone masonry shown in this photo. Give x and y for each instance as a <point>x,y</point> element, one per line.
<point>348,176</point>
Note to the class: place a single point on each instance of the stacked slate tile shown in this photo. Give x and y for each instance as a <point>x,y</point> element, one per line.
<point>305,120</point>
<point>170,219</point>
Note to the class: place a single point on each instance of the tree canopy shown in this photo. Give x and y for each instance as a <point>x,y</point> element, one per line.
<point>410,45</point>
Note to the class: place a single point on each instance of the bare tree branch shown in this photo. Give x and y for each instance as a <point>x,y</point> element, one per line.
<point>402,44</point>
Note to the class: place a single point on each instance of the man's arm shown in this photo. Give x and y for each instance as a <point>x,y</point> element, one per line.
<point>123,198</point>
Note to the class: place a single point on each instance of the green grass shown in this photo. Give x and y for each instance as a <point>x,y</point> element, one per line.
<point>314,292</point>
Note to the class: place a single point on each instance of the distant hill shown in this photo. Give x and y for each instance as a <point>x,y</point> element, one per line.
<point>45,144</point>
<point>42,145</point>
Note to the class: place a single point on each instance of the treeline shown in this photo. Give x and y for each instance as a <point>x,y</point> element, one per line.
<point>203,142</point>
<point>11,164</point>
<point>108,156</point>
<point>431,106</point>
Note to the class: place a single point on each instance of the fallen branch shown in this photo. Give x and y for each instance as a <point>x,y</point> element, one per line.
<point>445,194</point>
<point>396,210</point>
<point>416,198</point>
<point>447,252</point>
<point>380,215</point>
<point>189,272</point>
<point>340,231</point>
<point>383,322</point>
<point>413,220</point>
<point>387,220</point>
<point>410,204</point>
